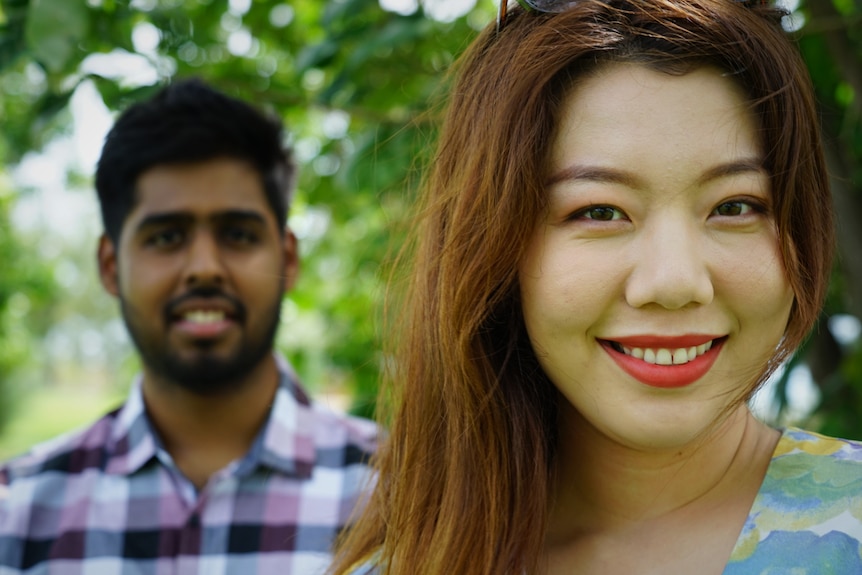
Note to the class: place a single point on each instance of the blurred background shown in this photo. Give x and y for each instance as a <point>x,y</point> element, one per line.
<point>358,83</point>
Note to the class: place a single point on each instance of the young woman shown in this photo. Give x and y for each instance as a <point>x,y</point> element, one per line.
<point>626,229</point>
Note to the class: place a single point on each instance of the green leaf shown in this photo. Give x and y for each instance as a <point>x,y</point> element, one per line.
<point>53,30</point>
<point>14,14</point>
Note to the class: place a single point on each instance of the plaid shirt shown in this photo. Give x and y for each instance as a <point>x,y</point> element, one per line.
<point>110,501</point>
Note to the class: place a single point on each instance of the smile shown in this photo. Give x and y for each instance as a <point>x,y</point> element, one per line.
<point>204,316</point>
<point>665,356</point>
<point>678,363</point>
<point>203,323</point>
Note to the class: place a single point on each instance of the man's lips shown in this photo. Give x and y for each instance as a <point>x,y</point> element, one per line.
<point>666,362</point>
<point>202,313</point>
<point>203,323</point>
<point>204,317</point>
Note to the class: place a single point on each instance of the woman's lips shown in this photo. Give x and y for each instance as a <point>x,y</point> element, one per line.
<point>665,362</point>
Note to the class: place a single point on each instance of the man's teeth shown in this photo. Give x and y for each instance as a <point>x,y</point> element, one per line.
<point>665,356</point>
<point>204,316</point>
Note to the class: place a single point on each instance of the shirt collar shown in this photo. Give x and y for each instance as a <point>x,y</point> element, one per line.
<point>285,443</point>
<point>132,442</point>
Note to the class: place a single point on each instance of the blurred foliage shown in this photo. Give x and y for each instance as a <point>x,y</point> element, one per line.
<point>353,83</point>
<point>831,42</point>
<point>27,290</point>
<point>356,84</point>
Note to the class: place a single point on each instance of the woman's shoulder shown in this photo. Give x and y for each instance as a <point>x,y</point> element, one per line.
<point>808,511</point>
<point>795,441</point>
<point>812,480</point>
<point>808,467</point>
<point>367,566</point>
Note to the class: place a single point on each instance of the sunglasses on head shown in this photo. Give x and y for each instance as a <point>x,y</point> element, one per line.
<point>533,6</point>
<point>556,6</point>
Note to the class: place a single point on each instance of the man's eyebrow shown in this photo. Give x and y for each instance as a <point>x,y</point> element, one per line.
<point>185,218</point>
<point>240,215</point>
<point>163,219</point>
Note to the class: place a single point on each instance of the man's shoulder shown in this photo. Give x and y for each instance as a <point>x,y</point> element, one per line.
<point>307,438</point>
<point>338,425</point>
<point>341,439</point>
<point>70,453</point>
<point>299,418</point>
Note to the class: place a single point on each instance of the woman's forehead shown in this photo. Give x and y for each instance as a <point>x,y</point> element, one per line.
<point>632,120</point>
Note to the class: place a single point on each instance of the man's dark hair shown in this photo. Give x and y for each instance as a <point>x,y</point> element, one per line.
<point>189,122</point>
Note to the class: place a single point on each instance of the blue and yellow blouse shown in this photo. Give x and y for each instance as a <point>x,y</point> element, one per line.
<point>807,516</point>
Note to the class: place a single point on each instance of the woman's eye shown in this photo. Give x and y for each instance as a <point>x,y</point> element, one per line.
<point>599,213</point>
<point>734,208</point>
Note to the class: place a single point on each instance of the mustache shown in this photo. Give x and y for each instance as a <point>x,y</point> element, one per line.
<point>238,310</point>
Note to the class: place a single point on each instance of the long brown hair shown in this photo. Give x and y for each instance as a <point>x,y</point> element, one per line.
<point>463,480</point>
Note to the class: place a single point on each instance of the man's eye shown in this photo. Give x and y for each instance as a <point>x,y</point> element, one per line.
<point>599,213</point>
<point>240,236</point>
<point>165,238</point>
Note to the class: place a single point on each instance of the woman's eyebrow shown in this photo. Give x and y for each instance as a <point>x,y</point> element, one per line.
<point>753,165</point>
<point>581,172</point>
<point>603,174</point>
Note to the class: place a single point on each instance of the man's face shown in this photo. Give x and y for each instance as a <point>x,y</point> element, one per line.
<point>200,270</point>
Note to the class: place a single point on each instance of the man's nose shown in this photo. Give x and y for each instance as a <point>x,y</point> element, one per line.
<point>204,264</point>
<point>670,267</point>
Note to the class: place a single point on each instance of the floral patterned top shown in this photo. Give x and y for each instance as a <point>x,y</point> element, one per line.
<point>807,516</point>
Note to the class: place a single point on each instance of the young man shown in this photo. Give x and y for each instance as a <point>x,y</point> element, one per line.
<point>217,463</point>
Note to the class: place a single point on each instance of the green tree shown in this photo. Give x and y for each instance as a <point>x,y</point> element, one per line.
<point>26,291</point>
<point>357,85</point>
<point>831,41</point>
<point>353,83</point>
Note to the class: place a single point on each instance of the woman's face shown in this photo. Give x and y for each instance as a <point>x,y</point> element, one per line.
<point>653,289</point>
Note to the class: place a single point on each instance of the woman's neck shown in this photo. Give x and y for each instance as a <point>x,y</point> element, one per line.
<point>602,486</point>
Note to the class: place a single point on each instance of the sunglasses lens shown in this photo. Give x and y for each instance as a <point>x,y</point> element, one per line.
<point>549,5</point>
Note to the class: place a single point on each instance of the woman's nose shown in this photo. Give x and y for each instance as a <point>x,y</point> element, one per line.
<point>670,267</point>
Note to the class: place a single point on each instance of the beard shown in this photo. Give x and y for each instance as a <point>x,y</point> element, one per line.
<point>207,374</point>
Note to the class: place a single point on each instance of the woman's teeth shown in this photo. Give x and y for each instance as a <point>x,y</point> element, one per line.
<point>665,356</point>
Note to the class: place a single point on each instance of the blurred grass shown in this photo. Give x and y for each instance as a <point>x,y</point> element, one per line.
<point>44,414</point>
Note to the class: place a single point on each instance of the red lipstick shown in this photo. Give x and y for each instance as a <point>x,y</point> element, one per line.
<point>664,376</point>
